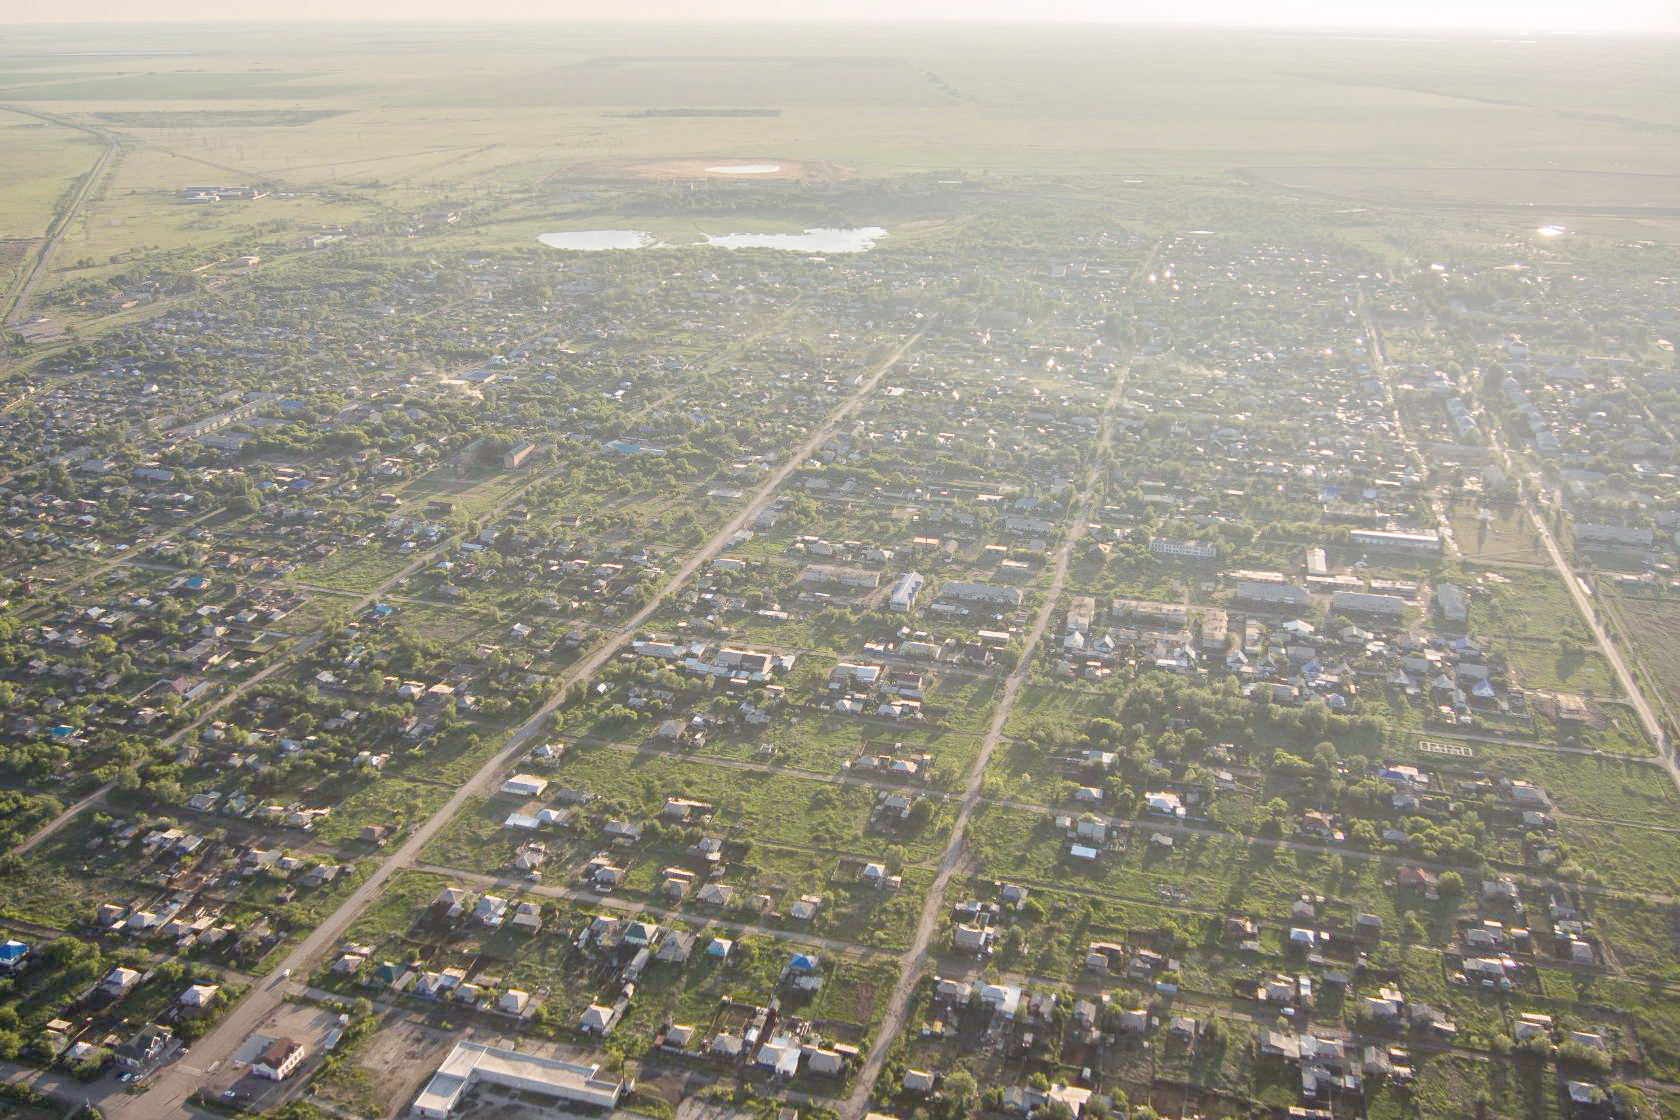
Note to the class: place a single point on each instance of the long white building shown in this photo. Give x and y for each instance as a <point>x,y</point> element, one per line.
<point>471,1063</point>
<point>1400,542</point>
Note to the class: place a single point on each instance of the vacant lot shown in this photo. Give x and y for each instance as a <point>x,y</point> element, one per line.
<point>1495,533</point>
<point>1653,625</point>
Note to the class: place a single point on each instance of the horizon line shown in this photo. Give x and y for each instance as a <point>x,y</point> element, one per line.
<point>1528,32</point>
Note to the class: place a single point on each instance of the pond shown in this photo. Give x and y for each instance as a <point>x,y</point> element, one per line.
<point>857,240</point>
<point>595,240</point>
<point>745,169</point>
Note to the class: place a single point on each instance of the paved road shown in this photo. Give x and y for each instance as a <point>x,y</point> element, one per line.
<point>1612,653</point>
<point>170,1094</point>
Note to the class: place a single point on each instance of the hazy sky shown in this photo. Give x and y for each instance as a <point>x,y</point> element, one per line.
<point>1512,15</point>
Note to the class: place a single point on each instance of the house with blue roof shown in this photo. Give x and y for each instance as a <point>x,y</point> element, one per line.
<point>12,954</point>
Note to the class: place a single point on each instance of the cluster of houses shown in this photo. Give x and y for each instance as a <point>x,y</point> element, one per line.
<point>730,664</point>
<point>874,688</point>
<point>94,1030</point>
<point>197,876</point>
<point>1289,647</point>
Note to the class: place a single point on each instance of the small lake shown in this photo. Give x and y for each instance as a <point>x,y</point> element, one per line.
<point>858,240</point>
<point>1552,231</point>
<point>745,169</point>
<point>595,240</point>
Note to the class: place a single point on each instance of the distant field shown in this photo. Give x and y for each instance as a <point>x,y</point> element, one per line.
<point>216,118</point>
<point>171,86</point>
<point>503,113</point>
<point>1475,186</point>
<point>716,167</point>
<point>1060,102</point>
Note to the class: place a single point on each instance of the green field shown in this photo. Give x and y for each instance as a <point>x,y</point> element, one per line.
<point>42,162</point>
<point>1653,627</point>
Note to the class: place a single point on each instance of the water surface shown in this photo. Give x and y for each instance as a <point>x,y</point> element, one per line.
<point>857,240</point>
<point>595,240</point>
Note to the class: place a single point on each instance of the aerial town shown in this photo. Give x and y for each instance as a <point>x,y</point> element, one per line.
<point>1111,656</point>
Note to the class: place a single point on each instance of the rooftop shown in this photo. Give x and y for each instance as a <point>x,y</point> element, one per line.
<point>472,1061</point>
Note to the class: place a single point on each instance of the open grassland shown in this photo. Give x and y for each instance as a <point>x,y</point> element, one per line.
<point>137,208</point>
<point>41,163</point>
<point>1653,627</point>
<point>1505,536</point>
<point>1533,622</point>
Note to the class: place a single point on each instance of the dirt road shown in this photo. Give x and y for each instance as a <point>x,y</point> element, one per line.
<point>170,1094</point>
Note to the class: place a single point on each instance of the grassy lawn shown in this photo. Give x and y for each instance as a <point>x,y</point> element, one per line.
<point>1506,537</point>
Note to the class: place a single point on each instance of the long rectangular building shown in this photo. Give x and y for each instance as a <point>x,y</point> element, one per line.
<point>1400,542</point>
<point>1363,602</point>
<point>1273,594</point>
<point>981,593</point>
<point>473,1062</point>
<point>840,575</point>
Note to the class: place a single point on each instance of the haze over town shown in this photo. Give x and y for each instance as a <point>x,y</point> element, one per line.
<point>867,562</point>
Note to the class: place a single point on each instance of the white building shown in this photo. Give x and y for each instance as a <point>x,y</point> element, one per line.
<point>1189,550</point>
<point>1273,594</point>
<point>1399,542</point>
<point>904,591</point>
<point>472,1062</point>
<point>1363,602</point>
<point>278,1059</point>
<point>963,591</point>
<point>1450,601</point>
<point>525,785</point>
